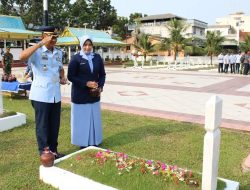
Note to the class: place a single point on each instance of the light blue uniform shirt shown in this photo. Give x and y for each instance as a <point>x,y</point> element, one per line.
<point>46,67</point>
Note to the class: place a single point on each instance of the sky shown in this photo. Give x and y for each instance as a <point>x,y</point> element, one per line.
<point>204,10</point>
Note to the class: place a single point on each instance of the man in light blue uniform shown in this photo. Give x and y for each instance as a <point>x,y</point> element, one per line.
<point>45,95</point>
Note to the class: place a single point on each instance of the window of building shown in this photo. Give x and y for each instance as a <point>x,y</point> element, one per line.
<point>194,30</point>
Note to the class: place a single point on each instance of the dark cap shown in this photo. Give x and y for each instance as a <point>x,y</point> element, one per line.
<point>49,29</point>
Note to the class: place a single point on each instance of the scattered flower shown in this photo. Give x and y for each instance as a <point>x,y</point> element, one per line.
<point>78,157</point>
<point>125,164</point>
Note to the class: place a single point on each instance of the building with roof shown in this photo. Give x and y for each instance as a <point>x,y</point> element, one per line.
<point>103,43</point>
<point>14,34</point>
<point>233,27</point>
<point>156,25</point>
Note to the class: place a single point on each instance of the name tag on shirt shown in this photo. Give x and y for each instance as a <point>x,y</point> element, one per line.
<point>44,56</point>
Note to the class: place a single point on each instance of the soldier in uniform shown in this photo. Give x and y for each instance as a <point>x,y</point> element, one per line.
<point>45,95</point>
<point>7,61</point>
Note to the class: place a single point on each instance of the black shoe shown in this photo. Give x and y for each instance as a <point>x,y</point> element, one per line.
<point>82,147</point>
<point>58,155</point>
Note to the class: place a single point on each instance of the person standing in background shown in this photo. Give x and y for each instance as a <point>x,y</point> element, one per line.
<point>7,62</point>
<point>220,60</point>
<point>226,61</point>
<point>237,66</point>
<point>246,63</point>
<point>232,60</point>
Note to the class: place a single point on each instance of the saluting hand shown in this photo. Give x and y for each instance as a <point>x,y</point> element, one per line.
<point>46,40</point>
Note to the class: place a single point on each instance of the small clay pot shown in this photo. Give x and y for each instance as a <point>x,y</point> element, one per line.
<point>47,158</point>
<point>94,92</point>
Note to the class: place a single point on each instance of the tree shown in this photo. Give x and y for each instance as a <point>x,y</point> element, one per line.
<point>213,42</point>
<point>120,27</point>
<point>103,15</point>
<point>133,17</point>
<point>143,44</point>
<point>34,13</point>
<point>176,41</point>
<point>30,11</point>
<point>79,13</point>
<point>58,12</point>
<point>22,6</point>
<point>245,46</point>
<point>7,8</point>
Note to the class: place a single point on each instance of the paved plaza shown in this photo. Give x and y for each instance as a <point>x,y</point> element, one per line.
<point>176,95</point>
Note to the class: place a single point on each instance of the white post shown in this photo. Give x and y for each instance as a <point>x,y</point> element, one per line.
<point>69,50</point>
<point>4,45</point>
<point>24,44</point>
<point>109,54</point>
<point>211,149</point>
<point>45,9</point>
<point>1,99</point>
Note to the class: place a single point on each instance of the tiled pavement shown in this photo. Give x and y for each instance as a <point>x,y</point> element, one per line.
<point>176,95</point>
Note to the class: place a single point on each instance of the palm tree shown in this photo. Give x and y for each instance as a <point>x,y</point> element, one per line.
<point>143,44</point>
<point>176,40</point>
<point>245,46</point>
<point>213,43</point>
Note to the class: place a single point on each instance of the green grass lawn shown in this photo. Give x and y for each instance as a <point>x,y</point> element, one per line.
<point>169,141</point>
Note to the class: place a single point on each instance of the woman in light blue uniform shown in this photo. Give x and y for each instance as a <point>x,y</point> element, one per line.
<point>87,74</point>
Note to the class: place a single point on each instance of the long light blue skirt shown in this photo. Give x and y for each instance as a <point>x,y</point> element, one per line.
<point>86,125</point>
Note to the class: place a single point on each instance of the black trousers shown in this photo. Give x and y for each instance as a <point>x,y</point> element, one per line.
<point>246,68</point>
<point>232,68</point>
<point>226,68</point>
<point>237,68</point>
<point>47,116</point>
<point>220,68</point>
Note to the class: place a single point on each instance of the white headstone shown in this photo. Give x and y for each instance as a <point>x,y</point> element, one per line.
<point>211,148</point>
<point>1,99</point>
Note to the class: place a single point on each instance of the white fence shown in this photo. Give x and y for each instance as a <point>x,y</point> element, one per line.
<point>189,62</point>
<point>204,60</point>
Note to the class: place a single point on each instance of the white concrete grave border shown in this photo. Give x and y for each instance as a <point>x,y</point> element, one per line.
<point>10,122</point>
<point>65,180</point>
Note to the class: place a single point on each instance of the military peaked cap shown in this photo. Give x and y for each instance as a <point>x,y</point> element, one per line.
<point>49,29</point>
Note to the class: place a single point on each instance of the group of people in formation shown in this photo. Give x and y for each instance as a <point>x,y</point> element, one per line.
<point>237,63</point>
<point>87,74</point>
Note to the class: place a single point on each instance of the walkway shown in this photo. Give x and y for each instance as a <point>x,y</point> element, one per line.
<point>176,95</point>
